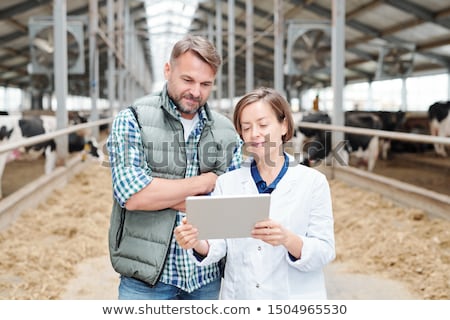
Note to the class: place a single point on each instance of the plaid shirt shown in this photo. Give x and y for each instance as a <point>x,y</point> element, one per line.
<point>125,146</point>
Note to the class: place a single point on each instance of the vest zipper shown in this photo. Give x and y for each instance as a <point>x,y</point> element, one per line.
<point>120,229</point>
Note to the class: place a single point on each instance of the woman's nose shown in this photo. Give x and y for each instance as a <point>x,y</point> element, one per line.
<point>254,131</point>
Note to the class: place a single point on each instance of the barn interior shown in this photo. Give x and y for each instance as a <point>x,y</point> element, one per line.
<point>336,56</point>
<point>322,55</point>
<point>287,45</point>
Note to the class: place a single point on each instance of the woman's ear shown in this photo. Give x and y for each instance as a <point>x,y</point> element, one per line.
<point>284,128</point>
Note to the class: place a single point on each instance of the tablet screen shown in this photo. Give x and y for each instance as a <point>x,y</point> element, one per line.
<point>221,217</point>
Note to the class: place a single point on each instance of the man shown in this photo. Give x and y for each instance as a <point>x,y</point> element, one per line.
<point>165,147</point>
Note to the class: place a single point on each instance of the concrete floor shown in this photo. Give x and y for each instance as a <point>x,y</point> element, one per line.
<point>96,280</point>
<point>348,286</point>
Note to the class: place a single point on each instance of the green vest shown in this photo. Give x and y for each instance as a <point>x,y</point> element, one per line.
<point>139,241</point>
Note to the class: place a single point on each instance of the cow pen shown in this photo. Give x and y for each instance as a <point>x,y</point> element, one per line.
<point>434,202</point>
<point>356,211</point>
<point>31,193</point>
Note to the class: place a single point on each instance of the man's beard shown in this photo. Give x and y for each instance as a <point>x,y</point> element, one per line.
<point>187,110</point>
<point>182,109</point>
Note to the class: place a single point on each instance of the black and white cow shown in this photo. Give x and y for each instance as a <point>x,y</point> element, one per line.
<point>316,144</point>
<point>390,121</point>
<point>14,128</point>
<point>438,115</point>
<point>365,148</point>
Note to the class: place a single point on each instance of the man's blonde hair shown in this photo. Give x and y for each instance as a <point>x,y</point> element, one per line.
<point>204,49</point>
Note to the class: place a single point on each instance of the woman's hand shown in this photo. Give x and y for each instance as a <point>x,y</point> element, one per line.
<point>270,231</point>
<point>275,234</point>
<point>187,237</point>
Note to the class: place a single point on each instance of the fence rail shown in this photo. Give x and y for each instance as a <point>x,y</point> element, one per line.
<point>393,135</point>
<point>25,142</point>
<point>321,126</point>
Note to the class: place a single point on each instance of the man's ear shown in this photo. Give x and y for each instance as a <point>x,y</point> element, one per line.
<point>167,70</point>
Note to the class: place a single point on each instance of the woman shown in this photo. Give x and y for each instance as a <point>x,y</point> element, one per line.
<point>285,256</point>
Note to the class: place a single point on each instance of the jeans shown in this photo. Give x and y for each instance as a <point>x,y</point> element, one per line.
<point>133,289</point>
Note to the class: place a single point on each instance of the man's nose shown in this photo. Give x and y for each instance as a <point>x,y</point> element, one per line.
<point>195,90</point>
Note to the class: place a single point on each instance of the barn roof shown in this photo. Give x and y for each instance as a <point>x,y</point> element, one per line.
<point>19,20</point>
<point>383,39</point>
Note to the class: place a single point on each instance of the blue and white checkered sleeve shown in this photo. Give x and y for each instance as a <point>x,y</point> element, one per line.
<point>237,155</point>
<point>129,169</point>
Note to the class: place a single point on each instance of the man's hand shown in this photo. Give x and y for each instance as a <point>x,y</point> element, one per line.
<point>206,181</point>
<point>180,206</point>
<point>171,193</point>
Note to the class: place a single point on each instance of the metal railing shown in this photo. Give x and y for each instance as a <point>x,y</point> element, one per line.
<point>393,135</point>
<point>321,126</point>
<point>25,142</point>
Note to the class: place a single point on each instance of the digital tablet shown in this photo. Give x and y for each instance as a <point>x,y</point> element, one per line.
<point>221,217</point>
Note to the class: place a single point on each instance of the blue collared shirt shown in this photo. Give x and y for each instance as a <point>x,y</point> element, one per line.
<point>261,184</point>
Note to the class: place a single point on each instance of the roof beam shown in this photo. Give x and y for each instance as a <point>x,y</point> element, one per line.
<point>16,69</point>
<point>363,73</point>
<point>362,54</point>
<point>21,8</point>
<point>372,31</point>
<point>15,53</point>
<point>16,24</point>
<point>435,43</point>
<point>411,8</point>
<point>385,32</point>
<point>443,14</point>
<point>418,11</point>
<point>362,9</point>
<point>11,37</point>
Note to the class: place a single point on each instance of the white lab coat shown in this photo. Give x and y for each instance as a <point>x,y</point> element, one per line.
<point>301,202</point>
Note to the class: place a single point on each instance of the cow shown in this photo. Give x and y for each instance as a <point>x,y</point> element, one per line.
<point>14,128</point>
<point>317,143</point>
<point>438,116</point>
<point>314,144</point>
<point>365,148</point>
<point>390,121</point>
